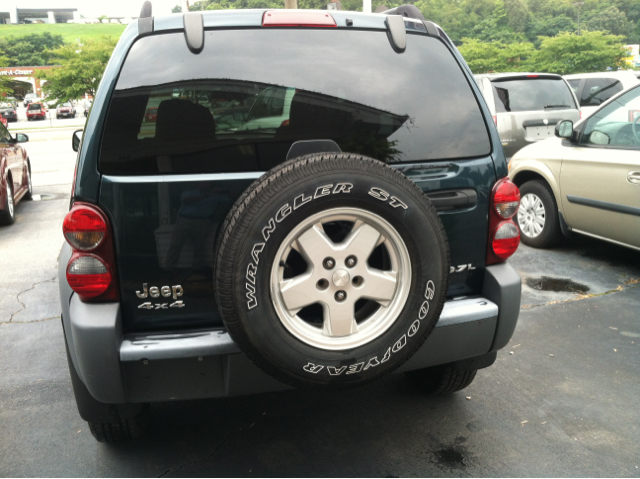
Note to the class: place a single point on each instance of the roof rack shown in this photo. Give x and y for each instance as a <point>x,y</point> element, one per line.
<point>194,31</point>
<point>145,21</point>
<point>409,11</point>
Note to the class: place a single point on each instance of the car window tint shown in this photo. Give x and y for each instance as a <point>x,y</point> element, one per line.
<point>617,124</point>
<point>598,90</point>
<point>532,94</point>
<point>397,108</point>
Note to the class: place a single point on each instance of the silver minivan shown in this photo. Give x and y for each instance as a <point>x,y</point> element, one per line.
<point>527,106</point>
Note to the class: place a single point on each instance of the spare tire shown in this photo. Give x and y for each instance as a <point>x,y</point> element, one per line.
<point>331,270</point>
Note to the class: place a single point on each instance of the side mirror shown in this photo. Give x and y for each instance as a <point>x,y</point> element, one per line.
<point>76,139</point>
<point>564,129</point>
<point>21,138</point>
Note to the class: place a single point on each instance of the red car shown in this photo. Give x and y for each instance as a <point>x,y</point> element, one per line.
<point>15,174</point>
<point>3,120</point>
<point>36,111</point>
<point>151,114</point>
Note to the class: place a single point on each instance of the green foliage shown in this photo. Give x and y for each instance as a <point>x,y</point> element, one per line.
<point>564,54</point>
<point>4,80</point>
<point>570,53</point>
<point>484,57</point>
<point>70,32</point>
<point>82,67</point>
<point>29,50</point>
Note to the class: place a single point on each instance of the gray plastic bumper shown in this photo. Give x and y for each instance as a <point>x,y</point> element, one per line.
<point>157,367</point>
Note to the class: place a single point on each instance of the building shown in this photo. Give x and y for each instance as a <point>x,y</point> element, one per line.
<point>22,79</point>
<point>34,12</point>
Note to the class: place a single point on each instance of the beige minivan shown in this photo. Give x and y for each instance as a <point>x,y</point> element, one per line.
<point>585,181</point>
<point>526,106</point>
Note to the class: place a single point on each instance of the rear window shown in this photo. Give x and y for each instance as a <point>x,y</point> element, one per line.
<point>242,102</point>
<point>598,90</point>
<point>34,106</point>
<point>532,94</point>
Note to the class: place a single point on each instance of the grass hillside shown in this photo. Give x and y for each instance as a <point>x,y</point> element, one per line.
<point>70,31</point>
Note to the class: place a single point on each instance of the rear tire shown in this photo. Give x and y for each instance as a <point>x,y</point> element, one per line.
<point>441,380</point>
<point>107,422</point>
<point>538,205</point>
<point>8,215</point>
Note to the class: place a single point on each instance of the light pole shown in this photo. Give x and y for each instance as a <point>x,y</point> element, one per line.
<point>577,4</point>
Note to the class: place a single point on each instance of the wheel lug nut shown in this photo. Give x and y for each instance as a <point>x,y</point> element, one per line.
<point>351,261</point>
<point>340,296</point>
<point>329,263</point>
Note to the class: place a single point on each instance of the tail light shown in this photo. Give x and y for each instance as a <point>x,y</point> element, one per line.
<point>504,235</point>
<point>495,119</point>
<point>297,18</point>
<point>91,269</point>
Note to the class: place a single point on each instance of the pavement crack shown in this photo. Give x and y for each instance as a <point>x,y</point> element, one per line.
<point>630,284</point>
<point>24,306</point>
<point>215,449</point>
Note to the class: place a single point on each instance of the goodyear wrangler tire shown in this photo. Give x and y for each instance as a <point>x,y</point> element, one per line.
<point>331,270</point>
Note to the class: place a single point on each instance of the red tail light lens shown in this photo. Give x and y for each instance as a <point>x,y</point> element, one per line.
<point>506,240</point>
<point>88,276</point>
<point>495,119</point>
<point>91,269</point>
<point>84,228</point>
<point>297,18</point>
<point>504,235</point>
<point>506,198</point>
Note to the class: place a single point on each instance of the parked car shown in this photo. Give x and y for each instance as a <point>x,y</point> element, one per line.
<point>585,181</point>
<point>4,121</point>
<point>151,113</point>
<point>271,109</point>
<point>15,174</point>
<point>66,110</point>
<point>526,106</point>
<point>230,119</point>
<point>593,89</point>
<point>365,233</point>
<point>8,112</point>
<point>29,98</point>
<point>36,111</point>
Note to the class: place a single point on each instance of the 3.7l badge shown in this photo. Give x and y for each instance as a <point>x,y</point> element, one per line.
<point>165,291</point>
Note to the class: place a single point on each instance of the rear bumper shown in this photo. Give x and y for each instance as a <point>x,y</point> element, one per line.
<point>119,368</point>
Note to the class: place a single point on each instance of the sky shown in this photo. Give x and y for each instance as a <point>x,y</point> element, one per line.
<point>95,8</point>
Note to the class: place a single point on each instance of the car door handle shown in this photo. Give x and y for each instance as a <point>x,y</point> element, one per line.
<point>634,177</point>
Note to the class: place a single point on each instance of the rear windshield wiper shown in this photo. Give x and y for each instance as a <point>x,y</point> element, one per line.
<point>557,106</point>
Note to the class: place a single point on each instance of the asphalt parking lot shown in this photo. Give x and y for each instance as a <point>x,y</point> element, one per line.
<point>563,399</point>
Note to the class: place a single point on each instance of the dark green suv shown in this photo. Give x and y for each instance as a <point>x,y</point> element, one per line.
<point>363,233</point>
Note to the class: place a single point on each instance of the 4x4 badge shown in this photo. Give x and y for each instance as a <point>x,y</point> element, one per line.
<point>164,291</point>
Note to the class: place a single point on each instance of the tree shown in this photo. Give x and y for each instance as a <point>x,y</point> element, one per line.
<point>484,57</point>
<point>176,9</point>
<point>517,14</point>
<point>611,20</point>
<point>570,53</point>
<point>4,87</point>
<point>82,67</point>
<point>29,50</point>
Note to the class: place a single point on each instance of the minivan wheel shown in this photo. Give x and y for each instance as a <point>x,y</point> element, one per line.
<point>8,215</point>
<point>331,270</point>
<point>538,217</point>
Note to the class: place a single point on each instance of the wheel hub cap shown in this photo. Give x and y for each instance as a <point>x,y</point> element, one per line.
<point>341,278</point>
<point>531,215</point>
<point>356,305</point>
